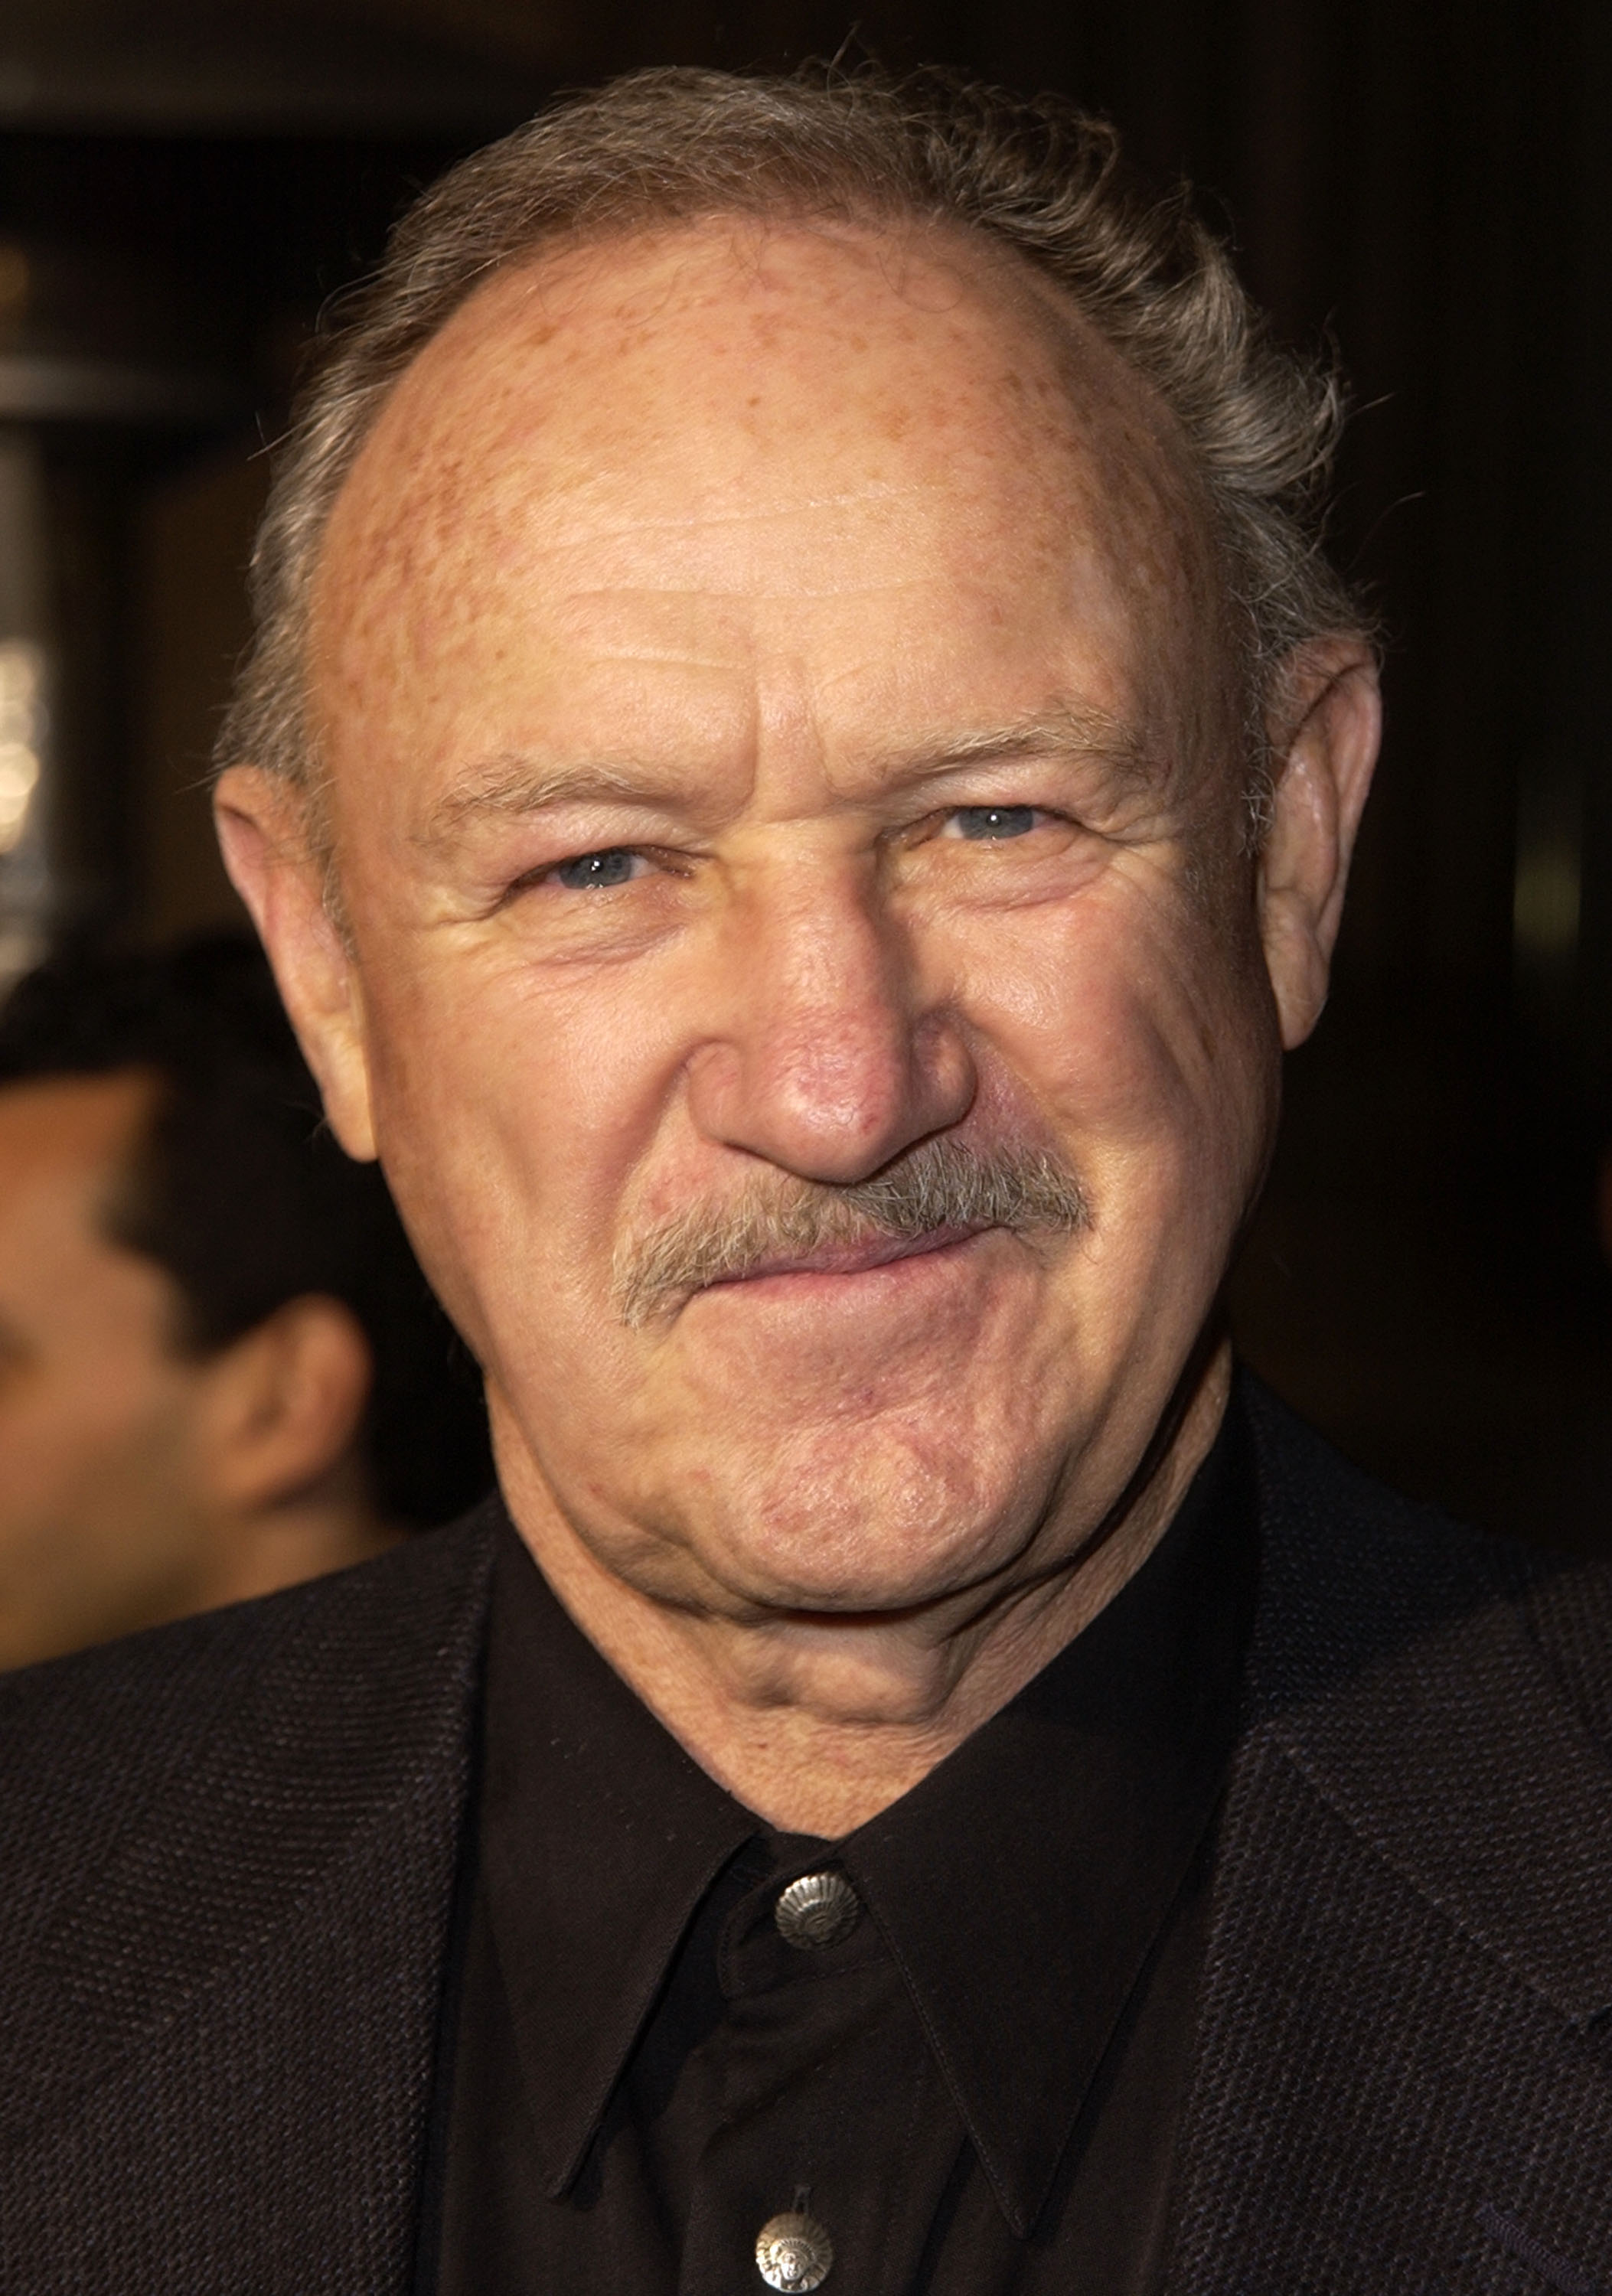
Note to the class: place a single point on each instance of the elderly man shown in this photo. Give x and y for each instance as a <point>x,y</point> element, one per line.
<point>798,776</point>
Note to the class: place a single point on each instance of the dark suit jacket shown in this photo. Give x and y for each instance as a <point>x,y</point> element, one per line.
<point>227,1863</point>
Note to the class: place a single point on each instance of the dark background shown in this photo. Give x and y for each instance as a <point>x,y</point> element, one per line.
<point>1428,185</point>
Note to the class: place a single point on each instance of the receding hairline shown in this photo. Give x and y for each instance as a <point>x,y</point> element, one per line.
<point>878,224</point>
<point>987,269</point>
<point>1156,472</point>
<point>658,150</point>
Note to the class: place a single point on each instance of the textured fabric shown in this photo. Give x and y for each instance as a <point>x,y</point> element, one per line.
<point>226,1853</point>
<point>1403,2083</point>
<point>644,2070</point>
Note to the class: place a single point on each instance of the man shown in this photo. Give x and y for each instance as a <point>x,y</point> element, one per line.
<point>798,776</point>
<point>220,1369</point>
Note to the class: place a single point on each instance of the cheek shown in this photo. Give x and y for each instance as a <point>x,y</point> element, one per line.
<point>1138,1024</point>
<point>510,1114</point>
<point>48,1446</point>
<point>73,1436</point>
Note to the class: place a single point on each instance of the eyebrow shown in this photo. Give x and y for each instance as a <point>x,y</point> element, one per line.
<point>1067,729</point>
<point>513,785</point>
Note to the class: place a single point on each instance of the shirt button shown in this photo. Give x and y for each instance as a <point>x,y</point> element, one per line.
<point>818,1909</point>
<point>793,2251</point>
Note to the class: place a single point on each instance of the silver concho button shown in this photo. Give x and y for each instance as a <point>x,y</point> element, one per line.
<point>793,2251</point>
<point>818,1909</point>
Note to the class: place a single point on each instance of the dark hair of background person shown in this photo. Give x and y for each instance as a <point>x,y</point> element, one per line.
<point>241,1194</point>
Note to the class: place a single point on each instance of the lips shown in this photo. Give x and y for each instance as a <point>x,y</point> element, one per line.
<point>854,1258</point>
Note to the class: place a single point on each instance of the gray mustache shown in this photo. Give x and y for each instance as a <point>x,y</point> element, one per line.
<point>939,1183</point>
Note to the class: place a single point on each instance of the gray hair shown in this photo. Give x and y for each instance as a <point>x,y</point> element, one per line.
<point>667,146</point>
<point>937,1183</point>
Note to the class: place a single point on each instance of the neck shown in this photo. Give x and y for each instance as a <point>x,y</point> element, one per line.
<point>817,1723</point>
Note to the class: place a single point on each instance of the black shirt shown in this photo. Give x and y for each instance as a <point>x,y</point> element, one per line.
<point>972,2089</point>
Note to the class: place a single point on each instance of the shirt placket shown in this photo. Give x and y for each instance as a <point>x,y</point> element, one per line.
<point>835,2135</point>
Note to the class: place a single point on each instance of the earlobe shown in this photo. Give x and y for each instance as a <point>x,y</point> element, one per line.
<point>1326,750</point>
<point>263,833</point>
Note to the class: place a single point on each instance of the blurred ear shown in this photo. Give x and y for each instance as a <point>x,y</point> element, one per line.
<point>263,829</point>
<point>284,1403</point>
<point>1326,743</point>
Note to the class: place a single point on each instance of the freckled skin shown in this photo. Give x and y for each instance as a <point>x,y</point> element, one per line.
<point>763,528</point>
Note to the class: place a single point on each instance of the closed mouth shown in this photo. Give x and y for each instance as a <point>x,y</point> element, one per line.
<point>854,1258</point>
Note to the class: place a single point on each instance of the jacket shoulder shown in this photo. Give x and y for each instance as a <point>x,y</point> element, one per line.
<point>1404,2077</point>
<point>1355,1569</point>
<point>1448,1695</point>
<point>166,1799</point>
<point>1351,1568</point>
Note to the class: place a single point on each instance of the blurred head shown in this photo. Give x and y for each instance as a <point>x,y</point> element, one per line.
<point>220,1369</point>
<point>798,776</point>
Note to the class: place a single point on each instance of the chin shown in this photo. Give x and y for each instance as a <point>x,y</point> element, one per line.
<point>869,1532</point>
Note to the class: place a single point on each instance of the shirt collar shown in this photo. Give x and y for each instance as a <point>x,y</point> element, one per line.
<point>1020,1886</point>
<point>598,1836</point>
<point>1023,1884</point>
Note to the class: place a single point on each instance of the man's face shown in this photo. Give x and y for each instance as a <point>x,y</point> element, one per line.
<point>777,717</point>
<point>96,1405</point>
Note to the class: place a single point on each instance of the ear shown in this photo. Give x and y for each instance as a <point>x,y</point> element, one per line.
<point>1325,742</point>
<point>264,830</point>
<point>284,1403</point>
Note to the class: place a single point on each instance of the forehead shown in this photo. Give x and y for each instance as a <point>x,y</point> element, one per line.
<point>653,445</point>
<point>64,1143</point>
<point>74,1125</point>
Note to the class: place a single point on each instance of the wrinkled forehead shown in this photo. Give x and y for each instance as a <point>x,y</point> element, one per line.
<point>731,401</point>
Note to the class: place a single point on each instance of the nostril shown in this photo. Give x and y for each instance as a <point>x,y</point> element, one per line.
<point>827,1100</point>
<point>829,1060</point>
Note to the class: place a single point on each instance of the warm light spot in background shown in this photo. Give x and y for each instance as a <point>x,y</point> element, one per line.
<point>21,735</point>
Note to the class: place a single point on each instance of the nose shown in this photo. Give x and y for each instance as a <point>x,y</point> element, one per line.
<point>832,1058</point>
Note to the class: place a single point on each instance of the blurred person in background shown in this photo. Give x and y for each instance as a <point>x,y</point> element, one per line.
<point>221,1371</point>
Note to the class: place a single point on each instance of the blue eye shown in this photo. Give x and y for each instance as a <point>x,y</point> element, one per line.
<point>613,867</point>
<point>985,822</point>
